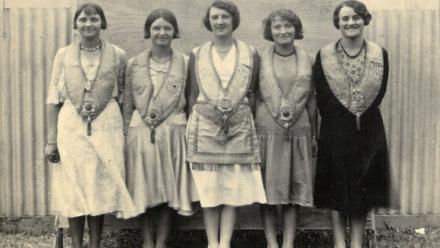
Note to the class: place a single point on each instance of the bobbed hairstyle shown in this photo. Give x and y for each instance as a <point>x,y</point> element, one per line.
<point>358,7</point>
<point>229,7</point>
<point>167,15</point>
<point>90,9</point>
<point>287,14</point>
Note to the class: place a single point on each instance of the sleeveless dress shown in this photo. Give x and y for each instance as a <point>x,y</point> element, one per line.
<point>157,171</point>
<point>90,177</point>
<point>285,84</point>
<point>353,173</point>
<point>224,157</point>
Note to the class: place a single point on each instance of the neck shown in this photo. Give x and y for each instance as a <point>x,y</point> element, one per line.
<point>159,52</point>
<point>352,44</point>
<point>223,42</point>
<point>90,42</point>
<point>284,49</point>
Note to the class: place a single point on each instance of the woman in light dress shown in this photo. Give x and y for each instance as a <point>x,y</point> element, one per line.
<point>158,176</point>
<point>85,125</point>
<point>286,125</point>
<point>223,147</point>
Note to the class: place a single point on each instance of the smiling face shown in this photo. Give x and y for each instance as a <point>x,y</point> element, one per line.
<point>283,31</point>
<point>89,25</point>
<point>221,22</point>
<point>162,32</point>
<point>351,24</point>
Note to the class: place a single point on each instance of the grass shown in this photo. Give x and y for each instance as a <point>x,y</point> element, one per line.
<point>391,238</point>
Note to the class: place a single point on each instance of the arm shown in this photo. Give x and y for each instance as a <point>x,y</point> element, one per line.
<point>127,103</point>
<point>53,105</point>
<point>191,88</point>
<point>121,78</point>
<point>253,88</point>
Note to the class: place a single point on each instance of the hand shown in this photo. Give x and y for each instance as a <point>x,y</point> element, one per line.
<point>314,148</point>
<point>51,152</point>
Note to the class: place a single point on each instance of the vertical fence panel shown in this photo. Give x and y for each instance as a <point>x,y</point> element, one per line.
<point>33,31</point>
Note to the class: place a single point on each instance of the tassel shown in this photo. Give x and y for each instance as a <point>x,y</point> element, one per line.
<point>358,121</point>
<point>89,125</point>
<point>152,135</point>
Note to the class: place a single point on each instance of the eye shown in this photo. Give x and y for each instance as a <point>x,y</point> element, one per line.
<point>356,17</point>
<point>168,28</point>
<point>82,19</point>
<point>94,19</point>
<point>345,18</point>
<point>288,25</point>
<point>226,16</point>
<point>276,26</point>
<point>214,17</point>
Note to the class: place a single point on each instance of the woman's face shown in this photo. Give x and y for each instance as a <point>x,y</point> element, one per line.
<point>283,31</point>
<point>351,24</point>
<point>89,25</point>
<point>220,21</point>
<point>162,32</point>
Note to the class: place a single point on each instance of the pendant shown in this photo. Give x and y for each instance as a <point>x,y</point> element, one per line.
<point>89,85</point>
<point>225,105</point>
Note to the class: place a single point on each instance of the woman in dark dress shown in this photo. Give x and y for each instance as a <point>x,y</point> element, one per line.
<point>352,169</point>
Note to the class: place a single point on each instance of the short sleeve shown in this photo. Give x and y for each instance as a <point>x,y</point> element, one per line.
<point>54,91</point>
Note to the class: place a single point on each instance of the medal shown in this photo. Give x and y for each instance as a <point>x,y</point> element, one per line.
<point>87,110</point>
<point>225,105</point>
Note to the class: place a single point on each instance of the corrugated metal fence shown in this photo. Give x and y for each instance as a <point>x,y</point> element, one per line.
<point>411,108</point>
<point>31,33</point>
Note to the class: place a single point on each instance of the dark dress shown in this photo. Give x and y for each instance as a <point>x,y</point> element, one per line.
<point>353,174</point>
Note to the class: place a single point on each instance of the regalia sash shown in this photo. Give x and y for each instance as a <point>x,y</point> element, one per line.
<point>356,98</point>
<point>90,97</point>
<point>285,107</point>
<point>218,103</point>
<point>155,108</point>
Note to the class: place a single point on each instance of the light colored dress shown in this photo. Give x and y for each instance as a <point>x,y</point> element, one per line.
<point>157,173</point>
<point>285,84</point>
<point>224,164</point>
<point>89,180</point>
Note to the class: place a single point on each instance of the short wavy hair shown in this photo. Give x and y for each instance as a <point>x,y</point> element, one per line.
<point>287,14</point>
<point>229,7</point>
<point>90,8</point>
<point>167,15</point>
<point>358,7</point>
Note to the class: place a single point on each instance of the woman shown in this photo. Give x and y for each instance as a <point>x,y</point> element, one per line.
<point>222,143</point>
<point>352,169</point>
<point>158,177</point>
<point>286,124</point>
<point>85,125</point>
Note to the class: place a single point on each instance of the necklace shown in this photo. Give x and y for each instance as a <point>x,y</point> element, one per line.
<point>223,50</point>
<point>352,56</point>
<point>285,55</point>
<point>90,49</point>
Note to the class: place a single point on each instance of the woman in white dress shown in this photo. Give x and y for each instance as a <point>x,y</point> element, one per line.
<point>85,126</point>
<point>222,142</point>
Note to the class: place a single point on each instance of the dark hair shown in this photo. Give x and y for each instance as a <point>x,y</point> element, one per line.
<point>228,6</point>
<point>88,9</point>
<point>357,6</point>
<point>287,14</point>
<point>167,16</point>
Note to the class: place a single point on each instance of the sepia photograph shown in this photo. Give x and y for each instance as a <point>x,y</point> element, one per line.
<point>220,123</point>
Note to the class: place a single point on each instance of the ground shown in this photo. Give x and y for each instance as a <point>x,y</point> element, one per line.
<point>391,238</point>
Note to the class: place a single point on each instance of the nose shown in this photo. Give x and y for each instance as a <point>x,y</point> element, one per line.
<point>350,21</point>
<point>161,31</point>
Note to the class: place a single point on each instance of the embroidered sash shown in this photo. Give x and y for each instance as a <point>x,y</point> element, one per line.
<point>285,107</point>
<point>90,97</point>
<point>225,99</point>
<point>355,98</point>
<point>154,109</point>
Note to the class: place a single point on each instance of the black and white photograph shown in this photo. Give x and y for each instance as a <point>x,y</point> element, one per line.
<point>220,123</point>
